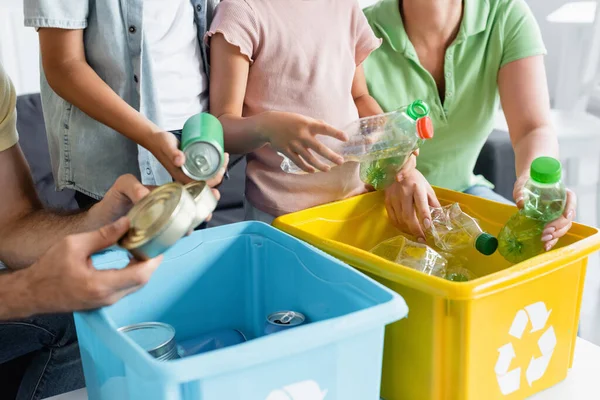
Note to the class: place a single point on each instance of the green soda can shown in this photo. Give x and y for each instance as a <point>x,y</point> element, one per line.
<point>202,144</point>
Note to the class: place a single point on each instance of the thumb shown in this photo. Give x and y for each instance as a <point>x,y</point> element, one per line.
<point>177,156</point>
<point>104,237</point>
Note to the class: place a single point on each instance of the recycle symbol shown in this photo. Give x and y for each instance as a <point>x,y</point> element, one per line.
<point>510,381</point>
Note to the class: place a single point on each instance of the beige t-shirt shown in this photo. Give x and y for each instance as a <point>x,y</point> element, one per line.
<point>303,57</point>
<point>8,112</point>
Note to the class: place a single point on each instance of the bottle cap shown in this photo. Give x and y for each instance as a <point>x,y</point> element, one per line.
<point>425,128</point>
<point>418,109</point>
<point>546,170</point>
<point>486,244</point>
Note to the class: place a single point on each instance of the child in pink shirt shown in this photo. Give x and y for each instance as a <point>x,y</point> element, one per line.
<point>283,72</point>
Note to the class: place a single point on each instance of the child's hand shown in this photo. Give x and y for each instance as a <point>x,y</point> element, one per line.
<point>408,201</point>
<point>218,178</point>
<point>295,136</point>
<point>165,147</point>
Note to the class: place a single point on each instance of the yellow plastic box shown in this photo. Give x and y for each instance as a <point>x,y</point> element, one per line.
<point>506,335</point>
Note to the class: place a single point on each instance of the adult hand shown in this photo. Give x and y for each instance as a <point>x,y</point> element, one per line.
<point>119,199</point>
<point>555,229</point>
<point>295,136</point>
<point>64,279</point>
<point>409,201</point>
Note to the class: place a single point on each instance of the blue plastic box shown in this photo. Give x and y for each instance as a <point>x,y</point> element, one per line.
<point>233,277</point>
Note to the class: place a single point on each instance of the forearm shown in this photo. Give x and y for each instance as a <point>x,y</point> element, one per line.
<point>539,142</point>
<point>76,82</point>
<point>243,135</point>
<point>25,239</point>
<point>16,297</point>
<point>367,106</point>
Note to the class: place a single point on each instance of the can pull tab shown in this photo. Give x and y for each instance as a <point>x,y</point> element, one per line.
<point>287,317</point>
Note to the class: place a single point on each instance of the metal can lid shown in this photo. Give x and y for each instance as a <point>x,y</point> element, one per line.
<point>197,189</point>
<point>202,160</point>
<point>156,338</point>
<point>286,318</point>
<point>151,215</point>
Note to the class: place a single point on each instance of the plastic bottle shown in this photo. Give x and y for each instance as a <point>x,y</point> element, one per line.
<point>452,230</point>
<point>413,255</point>
<point>396,134</point>
<point>545,198</point>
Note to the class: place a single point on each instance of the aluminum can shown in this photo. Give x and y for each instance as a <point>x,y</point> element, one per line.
<point>282,320</point>
<point>202,144</point>
<point>210,341</point>
<point>205,200</point>
<point>159,220</point>
<point>156,338</point>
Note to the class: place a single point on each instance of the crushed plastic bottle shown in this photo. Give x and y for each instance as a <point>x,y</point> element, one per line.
<point>413,255</point>
<point>545,198</point>
<point>392,135</point>
<point>459,274</point>
<point>452,229</point>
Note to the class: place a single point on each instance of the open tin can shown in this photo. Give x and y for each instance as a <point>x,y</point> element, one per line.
<point>159,220</point>
<point>205,200</point>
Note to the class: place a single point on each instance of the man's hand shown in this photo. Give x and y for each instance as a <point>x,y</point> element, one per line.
<point>64,279</point>
<point>117,202</point>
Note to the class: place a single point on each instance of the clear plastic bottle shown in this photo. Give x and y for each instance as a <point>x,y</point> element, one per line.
<point>395,134</point>
<point>545,198</point>
<point>452,230</point>
<point>414,255</point>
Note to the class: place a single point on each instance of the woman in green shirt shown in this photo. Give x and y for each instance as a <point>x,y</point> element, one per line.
<point>462,57</point>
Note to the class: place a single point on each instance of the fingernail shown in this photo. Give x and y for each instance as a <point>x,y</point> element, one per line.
<point>421,240</point>
<point>548,231</point>
<point>547,238</point>
<point>519,200</point>
<point>547,247</point>
<point>427,223</point>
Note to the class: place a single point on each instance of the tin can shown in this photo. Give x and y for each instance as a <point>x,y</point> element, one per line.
<point>205,200</point>
<point>202,144</point>
<point>159,220</point>
<point>282,320</point>
<point>211,341</point>
<point>156,338</point>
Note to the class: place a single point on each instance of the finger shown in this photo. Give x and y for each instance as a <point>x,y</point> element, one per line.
<point>407,169</point>
<point>323,151</point>
<point>322,128</point>
<point>432,198</point>
<point>218,178</point>
<point>136,274</point>
<point>410,218</point>
<point>102,238</point>
<point>558,231</point>
<point>130,187</point>
<point>300,163</point>
<point>571,207</point>
<point>422,205</point>
<point>518,192</point>
<point>416,152</point>
<point>389,207</point>
<point>216,193</point>
<point>548,246</point>
<point>312,160</point>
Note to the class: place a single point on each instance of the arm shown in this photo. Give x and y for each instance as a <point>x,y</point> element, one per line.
<point>72,78</point>
<point>367,106</point>
<point>525,100</point>
<point>27,230</point>
<point>288,133</point>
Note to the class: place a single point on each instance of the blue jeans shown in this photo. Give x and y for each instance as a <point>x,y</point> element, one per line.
<point>51,341</point>
<point>487,193</point>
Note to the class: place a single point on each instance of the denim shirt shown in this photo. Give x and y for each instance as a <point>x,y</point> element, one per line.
<point>86,155</point>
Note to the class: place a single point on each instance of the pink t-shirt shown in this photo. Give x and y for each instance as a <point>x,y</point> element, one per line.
<point>303,56</point>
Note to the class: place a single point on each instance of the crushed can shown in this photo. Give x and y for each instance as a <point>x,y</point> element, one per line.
<point>210,341</point>
<point>159,220</point>
<point>203,146</point>
<point>156,338</point>
<point>282,320</point>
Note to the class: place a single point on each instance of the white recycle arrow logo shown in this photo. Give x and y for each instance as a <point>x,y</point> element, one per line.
<point>510,381</point>
<point>305,390</point>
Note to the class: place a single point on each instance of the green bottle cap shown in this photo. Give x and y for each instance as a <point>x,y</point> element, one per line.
<point>418,109</point>
<point>486,244</point>
<point>546,170</point>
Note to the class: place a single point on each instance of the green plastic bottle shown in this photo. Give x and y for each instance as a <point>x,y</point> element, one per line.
<point>544,197</point>
<point>405,131</point>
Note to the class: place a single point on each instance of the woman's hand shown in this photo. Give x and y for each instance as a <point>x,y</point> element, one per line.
<point>295,136</point>
<point>555,229</point>
<point>408,201</point>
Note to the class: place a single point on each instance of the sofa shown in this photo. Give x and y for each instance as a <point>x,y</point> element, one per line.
<point>496,163</point>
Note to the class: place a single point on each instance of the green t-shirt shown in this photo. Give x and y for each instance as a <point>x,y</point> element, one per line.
<point>492,34</point>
